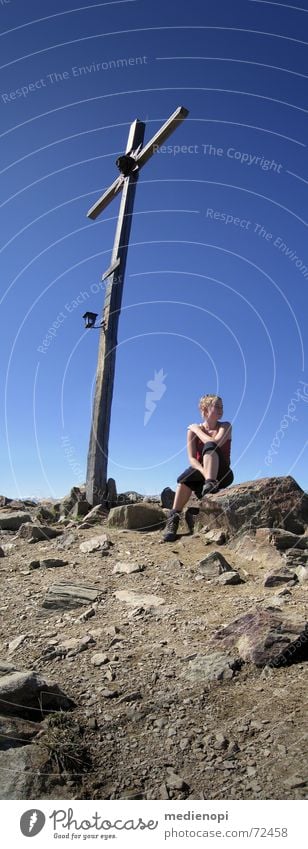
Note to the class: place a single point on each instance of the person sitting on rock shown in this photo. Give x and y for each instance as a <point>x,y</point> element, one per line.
<point>208,448</point>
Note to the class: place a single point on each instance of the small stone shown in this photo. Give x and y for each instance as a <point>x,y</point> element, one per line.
<point>176,782</point>
<point>139,600</point>
<point>98,543</point>
<point>109,694</point>
<point>163,792</point>
<point>221,741</point>
<point>251,771</point>
<point>86,615</point>
<point>65,542</point>
<point>214,565</point>
<point>124,568</point>
<point>211,667</point>
<point>131,697</point>
<point>216,535</point>
<point>53,563</point>
<point>1,552</point>
<point>14,644</point>
<point>302,573</point>
<point>295,781</point>
<point>184,743</point>
<point>229,578</point>
<point>99,659</point>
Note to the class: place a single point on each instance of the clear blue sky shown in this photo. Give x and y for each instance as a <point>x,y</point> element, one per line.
<point>215,296</point>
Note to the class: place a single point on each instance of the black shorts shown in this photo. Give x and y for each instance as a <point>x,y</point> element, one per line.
<point>195,479</point>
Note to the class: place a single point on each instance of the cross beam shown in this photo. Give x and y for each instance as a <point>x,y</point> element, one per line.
<point>129,164</point>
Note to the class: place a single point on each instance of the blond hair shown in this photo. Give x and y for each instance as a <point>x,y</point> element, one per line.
<point>206,401</point>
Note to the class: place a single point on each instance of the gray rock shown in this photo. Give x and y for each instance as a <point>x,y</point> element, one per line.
<point>129,498</point>
<point>230,578</point>
<point>281,539</point>
<point>302,573</point>
<point>125,568</point>
<point>175,781</point>
<point>34,564</point>
<point>65,596</point>
<point>4,501</point>
<point>216,535</point>
<point>66,504</point>
<point>8,547</point>
<point>35,533</point>
<point>214,666</point>
<point>87,614</point>
<point>45,514</point>
<point>137,516</point>
<point>294,557</point>
<point>284,575</point>
<point>52,563</point>
<point>133,696</point>
<point>98,543</point>
<point>167,497</point>
<point>96,515</point>
<point>1,552</point>
<point>214,565</point>
<point>15,731</point>
<point>77,645</point>
<point>80,509</point>
<point>139,599</point>
<point>30,694</point>
<point>99,659</point>
<point>266,502</point>
<point>111,496</point>
<point>13,521</point>
<point>66,541</point>
<point>14,644</point>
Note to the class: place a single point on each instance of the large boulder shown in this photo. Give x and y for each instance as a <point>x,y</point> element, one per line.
<point>167,497</point>
<point>266,637</point>
<point>36,533</point>
<point>13,521</point>
<point>30,694</point>
<point>130,497</point>
<point>66,504</point>
<point>137,516</point>
<point>111,495</point>
<point>4,500</point>
<point>267,503</point>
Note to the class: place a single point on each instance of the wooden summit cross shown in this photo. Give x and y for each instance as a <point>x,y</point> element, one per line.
<point>129,164</point>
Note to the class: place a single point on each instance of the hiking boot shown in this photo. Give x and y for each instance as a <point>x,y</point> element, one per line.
<point>190,520</point>
<point>210,487</point>
<point>171,527</point>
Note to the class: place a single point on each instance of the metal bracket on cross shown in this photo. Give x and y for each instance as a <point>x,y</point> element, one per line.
<point>135,159</point>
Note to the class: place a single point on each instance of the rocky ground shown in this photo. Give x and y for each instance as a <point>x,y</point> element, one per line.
<point>166,701</point>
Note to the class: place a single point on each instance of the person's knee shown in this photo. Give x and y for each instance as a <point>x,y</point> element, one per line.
<point>209,448</point>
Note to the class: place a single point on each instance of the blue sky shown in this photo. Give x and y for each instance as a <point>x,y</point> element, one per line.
<point>215,295</point>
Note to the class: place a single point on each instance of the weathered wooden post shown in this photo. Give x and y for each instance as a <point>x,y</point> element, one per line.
<point>129,164</point>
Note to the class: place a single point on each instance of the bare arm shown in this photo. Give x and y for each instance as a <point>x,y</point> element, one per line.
<point>192,450</point>
<point>223,434</point>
